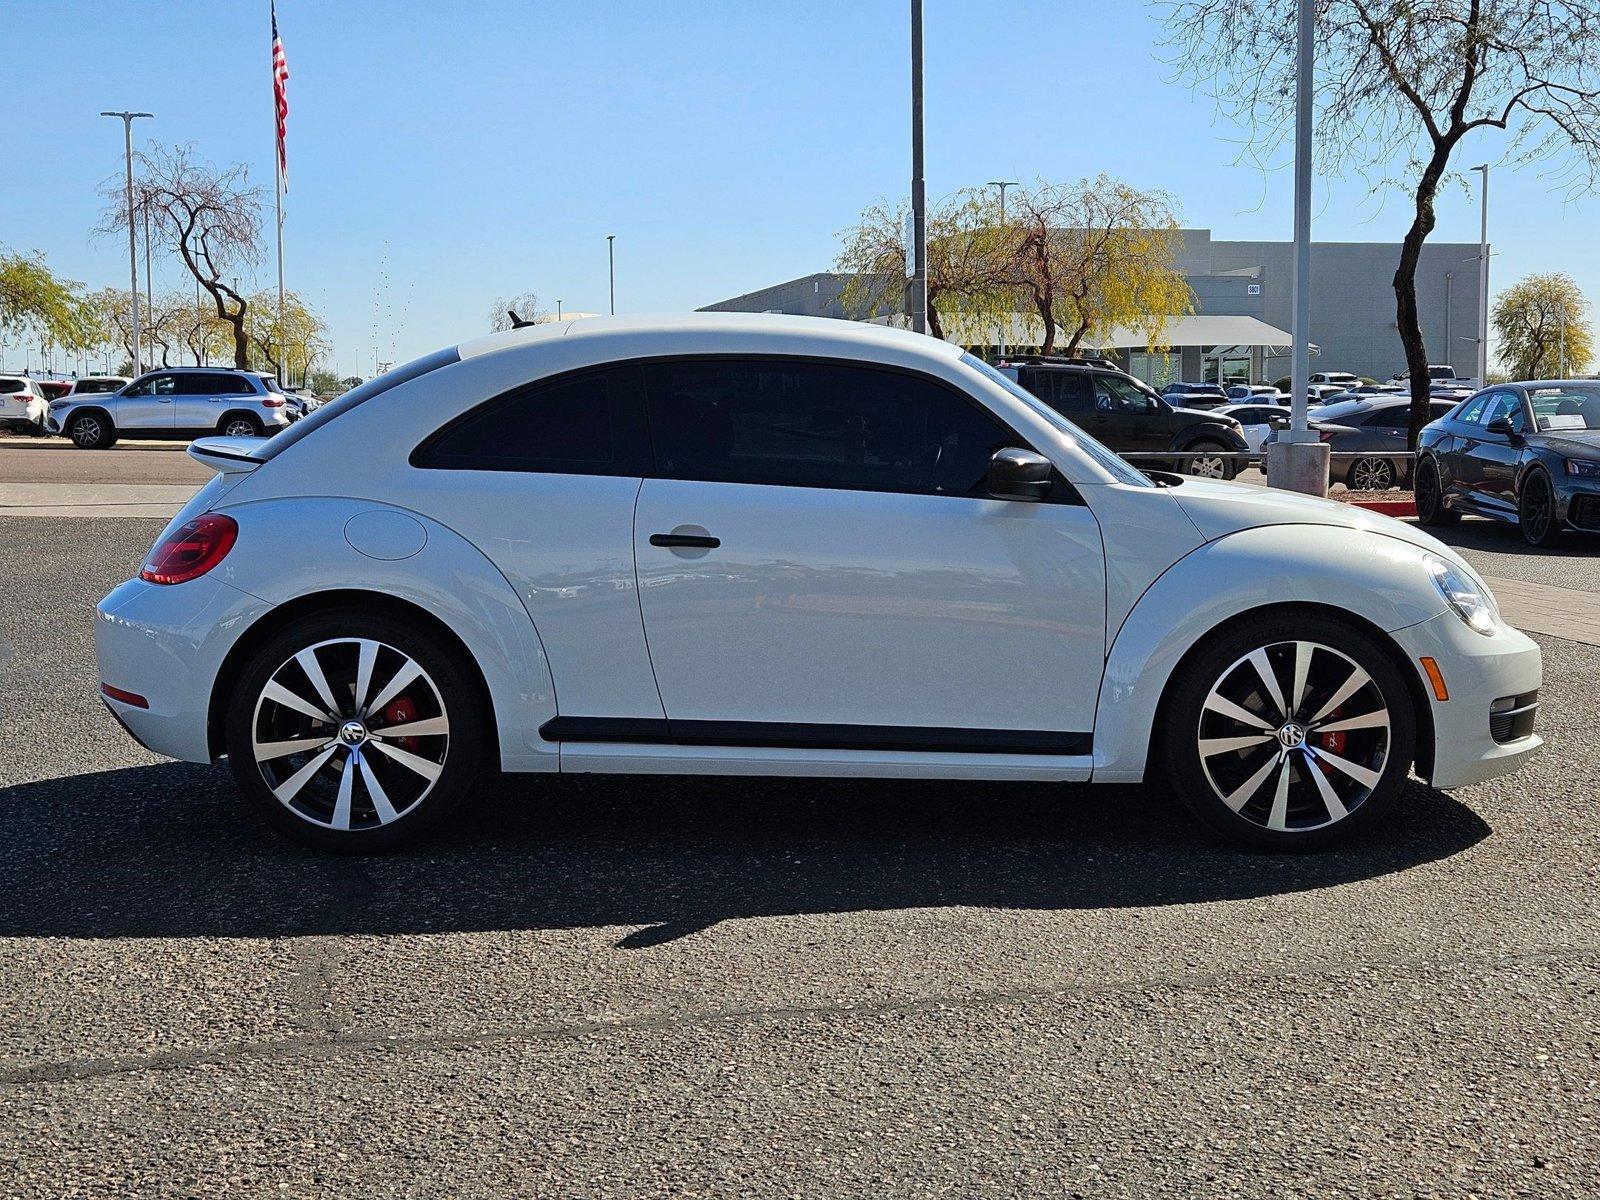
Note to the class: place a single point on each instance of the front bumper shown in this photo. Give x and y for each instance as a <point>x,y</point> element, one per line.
<point>167,643</point>
<point>1478,671</point>
<point>1578,503</point>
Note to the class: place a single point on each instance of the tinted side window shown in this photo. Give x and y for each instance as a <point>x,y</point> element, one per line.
<point>1118,395</point>
<point>818,424</point>
<point>1501,404</point>
<point>1396,416</point>
<point>1064,391</point>
<point>1473,409</point>
<point>587,423</point>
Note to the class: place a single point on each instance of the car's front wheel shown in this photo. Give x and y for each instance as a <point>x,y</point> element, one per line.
<point>355,731</point>
<point>1291,733</point>
<point>91,431</point>
<point>1536,511</point>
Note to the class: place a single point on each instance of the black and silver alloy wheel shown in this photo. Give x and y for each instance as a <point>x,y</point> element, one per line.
<point>89,432</point>
<point>240,427</point>
<point>1288,732</point>
<point>1293,736</point>
<point>1371,475</point>
<point>350,734</point>
<point>1430,496</point>
<point>356,731</point>
<point>1206,465</point>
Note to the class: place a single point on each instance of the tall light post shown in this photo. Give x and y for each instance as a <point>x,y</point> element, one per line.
<point>1298,459</point>
<point>611,266</point>
<point>1003,184</point>
<point>918,297</point>
<point>558,310</point>
<point>1483,278</point>
<point>128,119</point>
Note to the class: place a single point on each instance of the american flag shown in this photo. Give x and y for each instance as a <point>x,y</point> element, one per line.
<point>280,76</point>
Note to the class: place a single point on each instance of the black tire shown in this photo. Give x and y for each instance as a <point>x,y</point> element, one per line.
<point>1536,511</point>
<point>1191,466</point>
<point>239,425</point>
<point>450,684</point>
<point>1185,719</point>
<point>1429,490</point>
<point>1370,475</point>
<point>91,431</point>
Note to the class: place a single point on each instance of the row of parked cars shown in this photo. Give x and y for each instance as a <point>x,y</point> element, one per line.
<point>172,402</point>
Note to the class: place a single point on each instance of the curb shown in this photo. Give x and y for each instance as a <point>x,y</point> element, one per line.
<point>1389,508</point>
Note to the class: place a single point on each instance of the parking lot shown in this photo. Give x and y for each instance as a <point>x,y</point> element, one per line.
<point>797,987</point>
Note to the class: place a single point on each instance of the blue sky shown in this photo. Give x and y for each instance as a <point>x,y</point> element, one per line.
<point>443,154</point>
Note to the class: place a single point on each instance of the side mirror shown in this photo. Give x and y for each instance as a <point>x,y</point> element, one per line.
<point>1019,475</point>
<point>1502,426</point>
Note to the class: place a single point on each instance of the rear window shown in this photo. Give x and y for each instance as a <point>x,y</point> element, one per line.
<point>307,425</point>
<point>97,385</point>
<point>12,385</point>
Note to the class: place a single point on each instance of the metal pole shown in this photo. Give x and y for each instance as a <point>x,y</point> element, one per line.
<point>558,310</point>
<point>1003,184</point>
<point>149,290</point>
<point>133,240</point>
<point>1450,354</point>
<point>918,298</point>
<point>1483,279</point>
<point>611,262</point>
<point>1300,352</point>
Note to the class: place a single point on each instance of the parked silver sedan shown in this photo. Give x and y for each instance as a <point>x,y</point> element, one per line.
<point>1368,439</point>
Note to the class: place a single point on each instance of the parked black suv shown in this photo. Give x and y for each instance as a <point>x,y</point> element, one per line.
<point>1129,416</point>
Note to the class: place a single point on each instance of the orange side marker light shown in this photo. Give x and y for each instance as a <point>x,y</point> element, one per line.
<point>1436,678</point>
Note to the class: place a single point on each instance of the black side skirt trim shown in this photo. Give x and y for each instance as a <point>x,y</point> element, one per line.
<point>793,736</point>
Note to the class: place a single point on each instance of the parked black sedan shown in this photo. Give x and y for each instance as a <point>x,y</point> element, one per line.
<point>1522,452</point>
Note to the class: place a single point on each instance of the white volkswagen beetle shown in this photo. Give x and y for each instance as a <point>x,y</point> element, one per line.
<point>733,544</point>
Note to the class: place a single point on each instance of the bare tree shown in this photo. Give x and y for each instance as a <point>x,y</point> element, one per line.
<point>1409,80</point>
<point>525,306</point>
<point>210,217</point>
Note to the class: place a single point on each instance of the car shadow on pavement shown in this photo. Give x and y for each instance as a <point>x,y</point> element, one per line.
<point>168,851</point>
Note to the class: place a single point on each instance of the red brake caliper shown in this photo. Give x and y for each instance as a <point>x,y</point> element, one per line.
<point>1333,743</point>
<point>400,710</point>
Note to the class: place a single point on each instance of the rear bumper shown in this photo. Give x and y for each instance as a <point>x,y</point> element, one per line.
<point>1478,671</point>
<point>166,644</point>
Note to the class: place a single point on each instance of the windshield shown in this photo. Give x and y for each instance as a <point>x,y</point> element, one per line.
<point>1568,407</point>
<point>1121,470</point>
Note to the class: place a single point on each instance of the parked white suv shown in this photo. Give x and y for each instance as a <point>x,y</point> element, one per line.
<point>22,404</point>
<point>174,402</point>
<point>740,544</point>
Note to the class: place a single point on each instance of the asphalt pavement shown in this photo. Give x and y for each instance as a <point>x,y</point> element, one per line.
<point>632,987</point>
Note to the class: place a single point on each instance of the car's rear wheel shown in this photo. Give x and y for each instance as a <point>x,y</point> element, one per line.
<point>1209,463</point>
<point>1292,733</point>
<point>1429,490</point>
<point>356,732</point>
<point>91,431</point>
<point>1370,475</point>
<point>239,425</point>
<point>1536,511</point>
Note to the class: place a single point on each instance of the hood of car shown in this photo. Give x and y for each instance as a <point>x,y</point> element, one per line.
<point>1209,414</point>
<point>1218,509</point>
<point>1574,443</point>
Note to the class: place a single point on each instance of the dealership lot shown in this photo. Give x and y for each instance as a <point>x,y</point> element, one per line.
<point>636,986</point>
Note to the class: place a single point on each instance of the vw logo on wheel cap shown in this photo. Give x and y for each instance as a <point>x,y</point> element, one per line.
<point>352,733</point>
<point>1292,736</point>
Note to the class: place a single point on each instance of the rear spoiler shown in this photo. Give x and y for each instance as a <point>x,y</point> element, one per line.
<point>228,455</point>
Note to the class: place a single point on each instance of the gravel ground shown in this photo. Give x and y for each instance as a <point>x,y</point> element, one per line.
<point>654,987</point>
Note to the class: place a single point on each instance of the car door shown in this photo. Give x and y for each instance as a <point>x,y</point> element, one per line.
<point>1131,419</point>
<point>820,564</point>
<point>147,404</point>
<point>1493,455</point>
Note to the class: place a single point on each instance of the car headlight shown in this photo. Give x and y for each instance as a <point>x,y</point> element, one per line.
<point>1585,467</point>
<point>1466,598</point>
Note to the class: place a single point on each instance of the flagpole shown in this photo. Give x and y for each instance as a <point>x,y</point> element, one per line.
<point>277,197</point>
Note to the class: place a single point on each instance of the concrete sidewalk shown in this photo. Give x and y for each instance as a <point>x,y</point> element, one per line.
<point>94,499</point>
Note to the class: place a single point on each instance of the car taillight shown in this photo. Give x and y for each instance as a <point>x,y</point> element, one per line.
<point>272,402</point>
<point>1324,435</point>
<point>191,550</point>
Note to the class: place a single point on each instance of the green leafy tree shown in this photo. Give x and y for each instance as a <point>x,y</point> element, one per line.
<point>1543,326</point>
<point>1408,82</point>
<point>298,342</point>
<point>34,302</point>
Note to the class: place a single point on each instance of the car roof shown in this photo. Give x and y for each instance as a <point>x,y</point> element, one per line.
<point>715,332</point>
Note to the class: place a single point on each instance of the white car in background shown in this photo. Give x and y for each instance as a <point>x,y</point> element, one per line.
<point>1257,420</point>
<point>22,405</point>
<point>737,544</point>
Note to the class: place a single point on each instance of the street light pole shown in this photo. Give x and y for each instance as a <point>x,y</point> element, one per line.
<point>1483,279</point>
<point>611,264</point>
<point>1003,184</point>
<point>1298,459</point>
<point>558,310</point>
<point>918,298</point>
<point>133,249</point>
